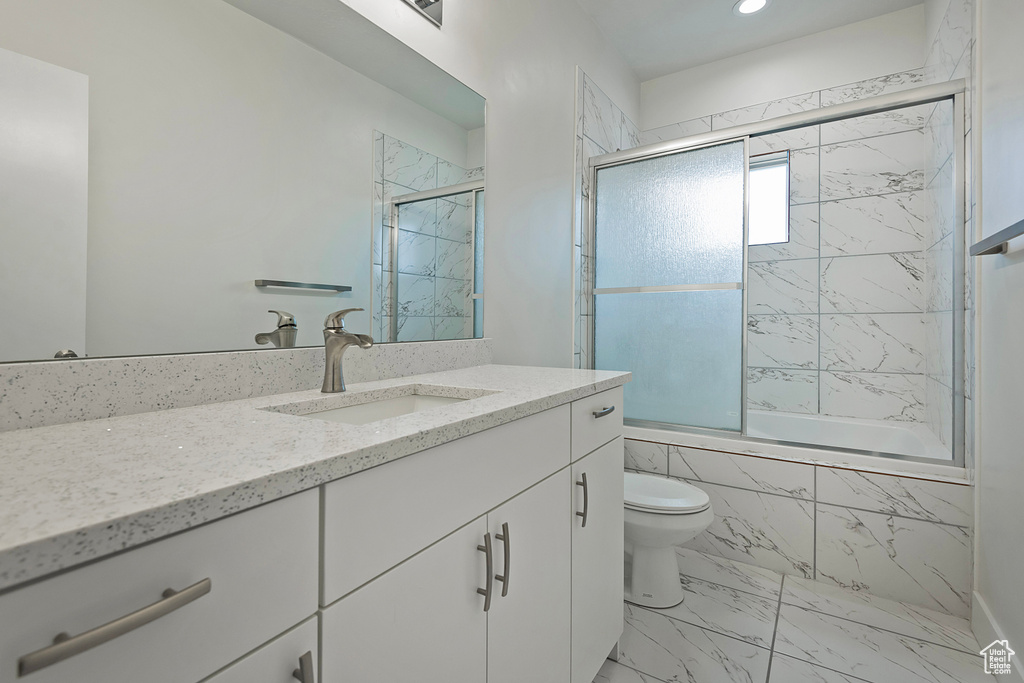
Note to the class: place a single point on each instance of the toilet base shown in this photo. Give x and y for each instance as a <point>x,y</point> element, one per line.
<point>654,579</point>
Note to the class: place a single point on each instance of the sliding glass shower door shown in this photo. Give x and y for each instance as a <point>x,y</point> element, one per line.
<point>668,283</point>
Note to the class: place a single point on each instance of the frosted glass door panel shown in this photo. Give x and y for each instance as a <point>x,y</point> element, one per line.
<point>684,350</point>
<point>672,220</point>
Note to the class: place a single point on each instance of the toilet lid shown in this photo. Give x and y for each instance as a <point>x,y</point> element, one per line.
<point>646,492</point>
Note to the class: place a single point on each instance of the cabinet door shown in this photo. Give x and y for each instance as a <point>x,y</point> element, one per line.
<point>596,560</point>
<point>528,627</point>
<point>276,661</point>
<point>421,622</point>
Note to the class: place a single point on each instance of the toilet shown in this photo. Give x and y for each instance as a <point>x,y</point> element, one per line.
<point>660,514</point>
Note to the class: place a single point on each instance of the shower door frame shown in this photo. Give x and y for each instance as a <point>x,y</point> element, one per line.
<point>472,188</point>
<point>953,91</point>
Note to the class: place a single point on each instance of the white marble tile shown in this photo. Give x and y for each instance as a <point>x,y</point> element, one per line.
<point>881,342</point>
<point>453,298</point>
<point>909,560</point>
<point>767,110</point>
<point>900,617</point>
<point>613,672</point>
<point>880,224</point>
<point>475,173</point>
<point>789,670</point>
<point>803,238</point>
<point>742,471</point>
<point>932,501</point>
<point>939,275</point>
<point>783,287</point>
<point>873,87</point>
<point>630,134</point>
<point>782,341</point>
<point>723,610</point>
<point>579,181</point>
<point>939,409</point>
<point>804,176</point>
<point>939,138</point>
<point>953,37</point>
<point>450,174</point>
<point>882,283</point>
<point>451,328</point>
<point>416,253</point>
<point>580,80</point>
<point>769,531</point>
<point>882,165</point>
<point>378,156</point>
<point>671,650</point>
<point>454,260</point>
<point>415,296</point>
<point>873,125</point>
<point>740,576</point>
<point>645,456</point>
<point>871,654</point>
<point>415,329</point>
<point>409,166</point>
<point>377,230</point>
<point>801,138</point>
<point>788,391</point>
<point>873,396</point>
<point>602,120</point>
<point>454,220</point>
<point>418,217</point>
<point>674,131</point>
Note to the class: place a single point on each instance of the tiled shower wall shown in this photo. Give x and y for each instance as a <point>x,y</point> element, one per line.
<point>435,251</point>
<point>903,538</point>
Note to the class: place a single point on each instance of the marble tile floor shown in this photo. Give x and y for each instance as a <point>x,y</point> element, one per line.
<point>745,624</point>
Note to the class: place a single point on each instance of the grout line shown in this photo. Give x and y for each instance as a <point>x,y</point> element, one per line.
<point>664,615</point>
<point>775,631</point>
<point>722,585</point>
<point>644,673</point>
<point>825,668</point>
<point>886,513</point>
<point>880,628</point>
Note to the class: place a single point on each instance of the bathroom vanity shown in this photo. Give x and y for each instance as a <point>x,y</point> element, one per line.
<point>476,537</point>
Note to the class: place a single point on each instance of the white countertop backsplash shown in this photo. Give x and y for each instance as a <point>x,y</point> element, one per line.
<point>75,492</point>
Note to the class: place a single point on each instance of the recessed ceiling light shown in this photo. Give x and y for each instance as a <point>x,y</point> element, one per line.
<point>744,7</point>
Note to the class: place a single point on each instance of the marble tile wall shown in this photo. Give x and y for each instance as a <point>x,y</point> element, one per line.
<point>903,538</point>
<point>601,127</point>
<point>54,392</point>
<point>435,253</point>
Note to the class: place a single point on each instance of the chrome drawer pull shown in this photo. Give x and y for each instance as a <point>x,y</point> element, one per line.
<point>503,537</point>
<point>304,673</point>
<point>65,646</point>
<point>586,499</point>
<point>486,592</point>
<point>604,411</point>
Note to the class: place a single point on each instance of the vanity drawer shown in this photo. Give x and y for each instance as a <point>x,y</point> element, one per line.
<point>393,511</point>
<point>276,661</point>
<point>262,570</point>
<point>593,425</point>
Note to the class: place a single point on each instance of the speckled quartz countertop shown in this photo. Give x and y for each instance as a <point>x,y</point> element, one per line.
<point>75,492</point>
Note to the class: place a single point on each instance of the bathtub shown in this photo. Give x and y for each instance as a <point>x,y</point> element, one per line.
<point>872,445</point>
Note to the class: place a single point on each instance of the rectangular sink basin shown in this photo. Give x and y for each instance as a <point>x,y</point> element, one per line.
<point>364,407</point>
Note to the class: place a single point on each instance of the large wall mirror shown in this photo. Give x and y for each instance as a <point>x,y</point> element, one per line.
<point>158,158</point>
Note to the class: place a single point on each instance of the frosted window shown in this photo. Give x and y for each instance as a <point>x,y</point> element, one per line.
<point>684,350</point>
<point>769,199</point>
<point>671,220</point>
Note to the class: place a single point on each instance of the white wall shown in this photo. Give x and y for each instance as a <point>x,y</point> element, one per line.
<point>44,183</point>
<point>1000,460</point>
<point>221,151</point>
<point>522,56</point>
<point>876,47</point>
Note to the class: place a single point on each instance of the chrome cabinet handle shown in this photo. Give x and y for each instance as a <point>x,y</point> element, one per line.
<point>586,499</point>
<point>604,411</point>
<point>65,646</point>
<point>486,592</point>
<point>305,671</point>
<point>503,537</point>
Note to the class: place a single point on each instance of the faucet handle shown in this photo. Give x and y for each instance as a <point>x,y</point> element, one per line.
<point>284,319</point>
<point>336,320</point>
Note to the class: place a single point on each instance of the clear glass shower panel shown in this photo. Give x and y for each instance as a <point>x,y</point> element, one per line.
<point>671,220</point>
<point>684,350</point>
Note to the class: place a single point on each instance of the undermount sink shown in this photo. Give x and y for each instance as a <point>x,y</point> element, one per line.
<point>360,408</point>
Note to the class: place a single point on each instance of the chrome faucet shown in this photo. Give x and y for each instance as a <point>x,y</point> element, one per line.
<point>284,336</point>
<point>336,340</point>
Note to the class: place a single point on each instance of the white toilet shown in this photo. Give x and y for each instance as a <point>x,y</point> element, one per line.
<point>660,514</point>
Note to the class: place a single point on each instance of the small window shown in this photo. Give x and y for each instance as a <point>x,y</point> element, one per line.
<point>769,199</point>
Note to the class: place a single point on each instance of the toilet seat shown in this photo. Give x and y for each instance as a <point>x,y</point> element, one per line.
<point>663,496</point>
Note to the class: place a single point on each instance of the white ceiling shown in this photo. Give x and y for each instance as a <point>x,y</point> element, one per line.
<point>659,37</point>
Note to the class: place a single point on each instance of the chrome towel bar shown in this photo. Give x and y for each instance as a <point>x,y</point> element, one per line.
<point>997,243</point>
